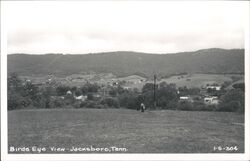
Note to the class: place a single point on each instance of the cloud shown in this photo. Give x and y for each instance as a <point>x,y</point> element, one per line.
<point>155,27</point>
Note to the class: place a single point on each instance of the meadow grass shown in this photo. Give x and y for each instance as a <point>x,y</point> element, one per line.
<point>165,131</point>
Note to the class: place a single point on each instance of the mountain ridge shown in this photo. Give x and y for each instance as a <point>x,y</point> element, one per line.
<point>127,51</point>
<point>124,63</point>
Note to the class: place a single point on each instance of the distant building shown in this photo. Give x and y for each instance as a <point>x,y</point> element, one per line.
<point>217,88</point>
<point>213,100</point>
<point>127,88</point>
<point>96,95</point>
<point>81,98</point>
<point>69,93</point>
<point>28,80</point>
<point>186,98</point>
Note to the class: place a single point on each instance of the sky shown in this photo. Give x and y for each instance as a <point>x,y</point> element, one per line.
<point>80,27</point>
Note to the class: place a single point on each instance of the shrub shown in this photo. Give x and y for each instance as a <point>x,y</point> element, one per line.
<point>16,101</point>
<point>82,104</point>
<point>172,104</point>
<point>88,104</point>
<point>110,102</point>
<point>62,90</point>
<point>90,96</point>
<point>240,86</point>
<point>100,106</point>
<point>233,101</point>
<point>166,95</point>
<point>130,100</point>
<point>185,106</point>
<point>199,106</point>
<point>168,105</point>
<point>91,104</point>
<point>78,92</point>
<point>57,103</point>
<point>231,106</point>
<point>113,92</point>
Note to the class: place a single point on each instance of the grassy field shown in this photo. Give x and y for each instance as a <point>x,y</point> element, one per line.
<point>189,80</point>
<point>148,132</point>
<point>195,80</point>
<point>198,80</point>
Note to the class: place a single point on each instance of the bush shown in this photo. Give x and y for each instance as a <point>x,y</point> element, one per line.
<point>110,102</point>
<point>172,104</point>
<point>130,100</point>
<point>183,91</point>
<point>20,94</point>
<point>113,92</point>
<point>199,106</point>
<point>240,86</point>
<point>231,106</point>
<point>88,104</point>
<point>185,106</point>
<point>69,100</point>
<point>168,104</point>
<point>90,96</point>
<point>62,90</point>
<point>16,101</point>
<point>57,103</point>
<point>166,95</point>
<point>78,92</point>
<point>195,106</point>
<point>233,101</point>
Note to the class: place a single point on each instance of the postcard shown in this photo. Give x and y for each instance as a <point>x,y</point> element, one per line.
<point>125,80</point>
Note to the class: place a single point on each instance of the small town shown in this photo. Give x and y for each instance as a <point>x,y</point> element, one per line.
<point>108,91</point>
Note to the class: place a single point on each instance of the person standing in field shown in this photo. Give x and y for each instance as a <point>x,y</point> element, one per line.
<point>142,107</point>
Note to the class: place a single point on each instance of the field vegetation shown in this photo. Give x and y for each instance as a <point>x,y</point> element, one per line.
<point>158,131</point>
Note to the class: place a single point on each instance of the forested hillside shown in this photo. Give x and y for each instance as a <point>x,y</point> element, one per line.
<point>124,63</point>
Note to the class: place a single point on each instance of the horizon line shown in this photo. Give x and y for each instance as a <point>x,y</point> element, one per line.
<point>126,51</point>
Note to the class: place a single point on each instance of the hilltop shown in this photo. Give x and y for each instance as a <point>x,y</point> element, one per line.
<point>125,63</point>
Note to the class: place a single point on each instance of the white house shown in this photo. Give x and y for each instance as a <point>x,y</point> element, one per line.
<point>69,93</point>
<point>81,98</point>
<point>127,87</point>
<point>211,100</point>
<point>186,98</point>
<point>217,88</point>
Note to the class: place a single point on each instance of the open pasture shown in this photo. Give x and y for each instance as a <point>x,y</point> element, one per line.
<point>198,80</point>
<point>149,132</point>
<point>194,80</point>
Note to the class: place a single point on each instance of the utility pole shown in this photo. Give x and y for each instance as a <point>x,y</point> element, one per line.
<point>155,91</point>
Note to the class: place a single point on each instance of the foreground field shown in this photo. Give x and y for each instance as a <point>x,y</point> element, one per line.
<point>149,132</point>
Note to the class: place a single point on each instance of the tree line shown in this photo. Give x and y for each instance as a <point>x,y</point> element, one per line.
<point>25,94</point>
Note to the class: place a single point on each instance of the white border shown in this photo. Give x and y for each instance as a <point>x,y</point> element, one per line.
<point>5,156</point>
<point>3,84</point>
<point>247,85</point>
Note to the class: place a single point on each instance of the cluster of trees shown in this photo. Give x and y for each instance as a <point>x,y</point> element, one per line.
<point>233,100</point>
<point>166,96</point>
<point>25,94</point>
<point>84,90</point>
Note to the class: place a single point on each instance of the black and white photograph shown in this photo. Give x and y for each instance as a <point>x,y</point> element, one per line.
<point>124,78</point>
